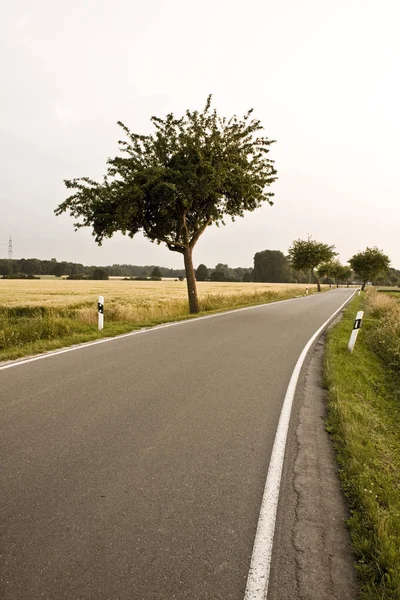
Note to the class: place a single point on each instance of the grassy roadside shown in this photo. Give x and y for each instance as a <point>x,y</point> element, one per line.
<point>364,421</point>
<point>27,330</point>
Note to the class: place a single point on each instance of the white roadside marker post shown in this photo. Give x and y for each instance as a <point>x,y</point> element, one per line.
<point>306,291</point>
<point>100,310</point>
<point>356,327</point>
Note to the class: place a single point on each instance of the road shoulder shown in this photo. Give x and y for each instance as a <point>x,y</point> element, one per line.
<point>312,558</point>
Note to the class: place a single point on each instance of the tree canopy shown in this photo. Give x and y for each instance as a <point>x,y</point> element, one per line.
<point>368,265</point>
<point>201,273</point>
<point>310,254</point>
<point>172,184</point>
<point>156,272</point>
<point>271,266</point>
<point>335,270</point>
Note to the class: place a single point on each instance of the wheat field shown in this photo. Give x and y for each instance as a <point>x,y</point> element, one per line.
<point>38,315</point>
<point>58,293</point>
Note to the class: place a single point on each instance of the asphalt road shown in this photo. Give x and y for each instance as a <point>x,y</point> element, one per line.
<point>134,469</point>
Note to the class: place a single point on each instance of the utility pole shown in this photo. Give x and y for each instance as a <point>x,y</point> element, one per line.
<point>10,248</point>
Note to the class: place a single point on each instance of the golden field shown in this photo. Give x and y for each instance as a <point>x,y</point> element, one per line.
<point>39,315</point>
<point>58,293</point>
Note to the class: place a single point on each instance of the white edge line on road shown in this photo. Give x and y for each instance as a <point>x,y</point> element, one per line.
<point>258,577</point>
<point>25,361</point>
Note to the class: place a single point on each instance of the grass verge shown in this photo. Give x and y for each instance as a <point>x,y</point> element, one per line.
<point>27,330</point>
<point>364,422</point>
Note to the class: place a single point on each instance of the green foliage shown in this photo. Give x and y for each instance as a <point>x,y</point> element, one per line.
<point>5,268</point>
<point>58,270</point>
<point>201,273</point>
<point>364,417</point>
<point>271,266</point>
<point>368,265</point>
<point>77,276</point>
<point>391,277</point>
<point>19,276</point>
<point>344,274</point>
<point>310,254</point>
<point>100,274</point>
<point>156,272</point>
<point>173,184</point>
<point>217,276</point>
<point>335,270</point>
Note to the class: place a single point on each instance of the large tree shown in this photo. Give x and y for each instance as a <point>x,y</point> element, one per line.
<point>271,266</point>
<point>310,255</point>
<point>174,183</point>
<point>368,265</point>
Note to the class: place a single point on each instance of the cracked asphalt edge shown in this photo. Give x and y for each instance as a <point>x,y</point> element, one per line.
<point>312,557</point>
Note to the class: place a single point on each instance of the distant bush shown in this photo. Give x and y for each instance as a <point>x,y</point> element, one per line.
<point>100,274</point>
<point>19,276</point>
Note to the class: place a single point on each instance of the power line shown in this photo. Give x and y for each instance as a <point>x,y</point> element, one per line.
<point>10,248</point>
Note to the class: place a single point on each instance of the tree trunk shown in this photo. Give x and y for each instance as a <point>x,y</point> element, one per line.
<point>191,281</point>
<point>316,279</point>
<point>363,286</point>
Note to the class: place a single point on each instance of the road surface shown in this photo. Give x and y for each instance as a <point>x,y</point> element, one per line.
<point>134,469</point>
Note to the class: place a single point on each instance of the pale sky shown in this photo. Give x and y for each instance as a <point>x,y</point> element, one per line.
<point>323,78</point>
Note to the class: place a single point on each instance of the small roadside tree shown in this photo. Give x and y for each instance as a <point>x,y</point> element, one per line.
<point>310,254</point>
<point>368,265</point>
<point>201,273</point>
<point>335,270</point>
<point>171,185</point>
<point>344,274</point>
<point>328,270</point>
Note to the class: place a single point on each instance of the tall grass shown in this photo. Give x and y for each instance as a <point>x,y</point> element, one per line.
<point>384,339</point>
<point>364,421</point>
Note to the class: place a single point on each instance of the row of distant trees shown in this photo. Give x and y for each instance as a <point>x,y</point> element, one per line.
<point>35,266</point>
<point>320,261</point>
<point>307,261</point>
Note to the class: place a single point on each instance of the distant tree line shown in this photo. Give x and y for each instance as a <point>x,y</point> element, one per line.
<point>307,261</point>
<point>35,266</point>
<point>223,272</point>
<point>311,261</point>
<point>29,267</point>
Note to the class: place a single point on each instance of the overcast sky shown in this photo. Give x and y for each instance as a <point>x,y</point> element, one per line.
<point>323,78</point>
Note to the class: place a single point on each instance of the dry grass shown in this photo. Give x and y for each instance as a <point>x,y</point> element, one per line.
<point>37,315</point>
<point>385,338</point>
<point>74,294</point>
